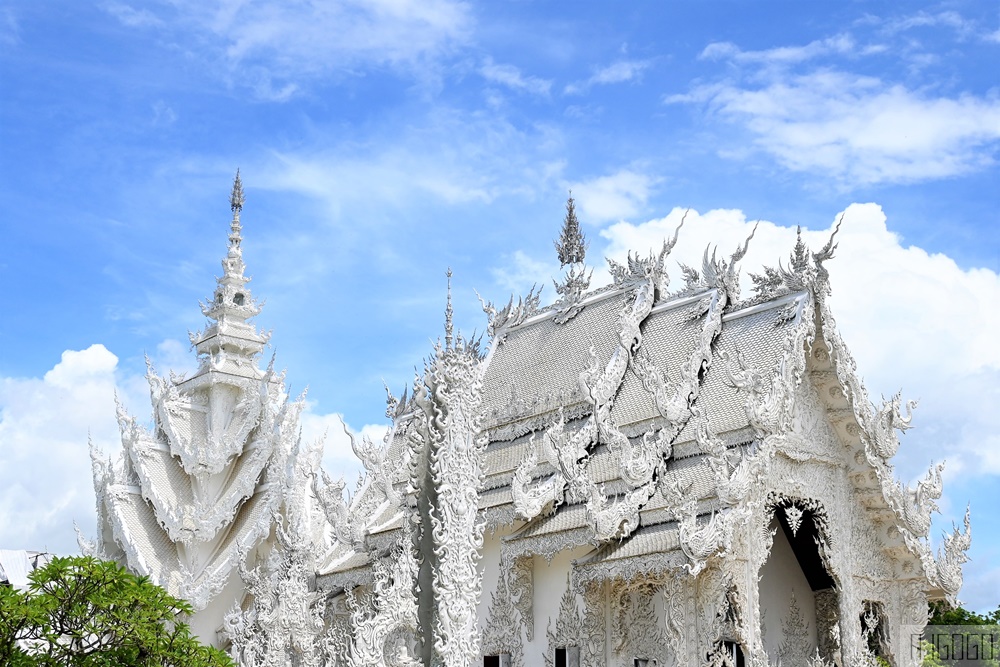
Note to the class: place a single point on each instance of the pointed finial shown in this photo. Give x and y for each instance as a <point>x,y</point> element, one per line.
<point>448,325</point>
<point>236,198</point>
<point>571,246</point>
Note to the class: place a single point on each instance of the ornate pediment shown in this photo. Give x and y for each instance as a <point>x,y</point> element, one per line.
<point>206,429</point>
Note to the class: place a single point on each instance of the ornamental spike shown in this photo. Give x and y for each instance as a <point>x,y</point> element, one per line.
<point>236,197</point>
<point>448,312</point>
<point>571,246</point>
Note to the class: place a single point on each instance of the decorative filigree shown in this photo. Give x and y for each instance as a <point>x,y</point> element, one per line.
<point>569,625</point>
<point>390,609</point>
<point>700,542</point>
<point>715,274</point>
<point>213,470</point>
<point>571,290</point>
<point>795,645</point>
<point>805,271</point>
<point>951,558</point>
<point>637,632</point>
<point>502,632</point>
<point>284,617</point>
<point>447,473</point>
<point>912,506</point>
<point>572,245</point>
<point>793,515</point>
<point>512,314</point>
<point>521,581</point>
<point>886,420</point>
<point>673,604</point>
<point>594,631</point>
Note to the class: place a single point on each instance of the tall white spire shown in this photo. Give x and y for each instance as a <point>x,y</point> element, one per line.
<point>230,343</point>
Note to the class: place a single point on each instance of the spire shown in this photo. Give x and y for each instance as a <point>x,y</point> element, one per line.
<point>232,299</point>
<point>448,324</point>
<point>233,264</point>
<point>571,246</point>
<point>236,198</point>
<point>229,343</point>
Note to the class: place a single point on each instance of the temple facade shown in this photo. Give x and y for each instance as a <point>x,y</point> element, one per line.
<point>634,475</point>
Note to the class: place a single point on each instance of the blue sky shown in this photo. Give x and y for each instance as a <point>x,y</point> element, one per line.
<point>381,142</point>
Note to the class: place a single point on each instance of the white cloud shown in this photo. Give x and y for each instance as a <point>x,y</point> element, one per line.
<point>613,197</point>
<point>451,156</point>
<point>45,481</point>
<point>519,273</point>
<point>923,19</point>
<point>130,16</point>
<point>859,130</point>
<point>621,71</point>
<point>510,76</point>
<point>338,456</point>
<point>276,47</point>
<point>784,55</point>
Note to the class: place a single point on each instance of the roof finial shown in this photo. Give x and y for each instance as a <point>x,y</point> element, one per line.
<point>448,325</point>
<point>236,198</point>
<point>571,246</point>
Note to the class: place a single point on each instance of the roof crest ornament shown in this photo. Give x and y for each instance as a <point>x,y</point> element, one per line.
<point>572,244</point>
<point>512,314</point>
<point>572,249</point>
<point>805,270</point>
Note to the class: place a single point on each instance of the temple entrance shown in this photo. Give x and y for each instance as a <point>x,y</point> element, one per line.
<point>798,596</point>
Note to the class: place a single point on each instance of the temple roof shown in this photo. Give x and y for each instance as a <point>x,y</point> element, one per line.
<point>577,398</point>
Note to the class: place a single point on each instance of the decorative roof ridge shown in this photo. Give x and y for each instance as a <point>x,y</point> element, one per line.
<point>911,508</point>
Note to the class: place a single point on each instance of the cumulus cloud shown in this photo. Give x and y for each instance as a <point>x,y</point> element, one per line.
<point>613,197</point>
<point>338,456</point>
<point>510,76</point>
<point>44,462</point>
<point>621,71</point>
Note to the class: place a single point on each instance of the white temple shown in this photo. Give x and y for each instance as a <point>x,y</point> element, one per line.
<point>631,476</point>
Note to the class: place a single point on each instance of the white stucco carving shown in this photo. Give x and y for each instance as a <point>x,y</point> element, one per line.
<point>641,457</point>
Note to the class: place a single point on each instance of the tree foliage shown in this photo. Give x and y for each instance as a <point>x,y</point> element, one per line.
<point>83,612</point>
<point>974,645</point>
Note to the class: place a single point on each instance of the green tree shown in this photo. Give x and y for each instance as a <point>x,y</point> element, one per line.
<point>976,642</point>
<point>83,612</point>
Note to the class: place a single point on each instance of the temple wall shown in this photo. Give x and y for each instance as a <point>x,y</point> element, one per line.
<point>207,622</point>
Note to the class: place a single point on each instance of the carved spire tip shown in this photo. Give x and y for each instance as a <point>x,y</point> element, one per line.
<point>236,197</point>
<point>448,316</point>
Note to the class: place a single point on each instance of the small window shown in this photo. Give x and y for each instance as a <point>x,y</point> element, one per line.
<point>640,662</point>
<point>238,298</point>
<point>501,660</point>
<point>567,656</point>
<point>218,298</point>
<point>733,652</point>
